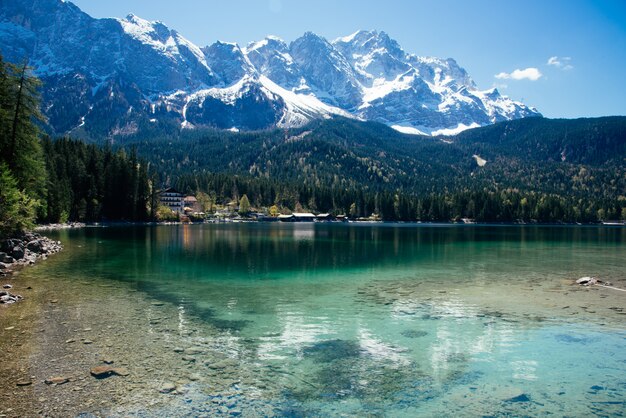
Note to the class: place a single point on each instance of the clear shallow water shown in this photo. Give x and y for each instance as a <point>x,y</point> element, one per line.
<point>394,320</point>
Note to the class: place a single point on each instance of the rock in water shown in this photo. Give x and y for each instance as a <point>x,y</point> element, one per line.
<point>167,387</point>
<point>587,281</point>
<point>57,380</point>
<point>35,246</point>
<point>24,382</point>
<point>120,371</point>
<point>101,371</point>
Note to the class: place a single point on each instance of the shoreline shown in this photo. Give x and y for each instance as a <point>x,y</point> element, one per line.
<point>78,225</point>
<point>26,249</point>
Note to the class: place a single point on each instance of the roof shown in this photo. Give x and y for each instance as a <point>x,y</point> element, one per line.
<point>170,190</point>
<point>190,199</point>
<point>303,215</point>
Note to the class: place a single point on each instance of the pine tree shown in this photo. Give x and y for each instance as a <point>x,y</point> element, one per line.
<point>17,210</point>
<point>244,206</point>
<point>20,148</point>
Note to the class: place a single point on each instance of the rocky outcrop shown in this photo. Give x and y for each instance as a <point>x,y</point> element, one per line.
<point>25,250</point>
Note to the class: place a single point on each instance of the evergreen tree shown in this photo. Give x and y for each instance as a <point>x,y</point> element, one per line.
<point>19,144</point>
<point>244,206</point>
<point>17,209</point>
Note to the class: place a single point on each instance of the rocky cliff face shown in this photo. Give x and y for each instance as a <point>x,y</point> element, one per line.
<point>108,77</point>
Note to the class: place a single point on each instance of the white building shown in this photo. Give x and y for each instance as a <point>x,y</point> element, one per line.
<point>173,199</point>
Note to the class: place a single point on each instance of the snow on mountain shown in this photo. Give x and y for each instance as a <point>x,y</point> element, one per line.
<point>109,76</point>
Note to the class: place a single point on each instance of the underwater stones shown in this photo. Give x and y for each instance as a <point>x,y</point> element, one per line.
<point>101,372</point>
<point>519,398</point>
<point>8,298</point>
<point>331,350</point>
<point>178,349</point>
<point>120,371</point>
<point>56,380</point>
<point>24,382</point>
<point>192,351</point>
<point>587,281</point>
<point>167,387</point>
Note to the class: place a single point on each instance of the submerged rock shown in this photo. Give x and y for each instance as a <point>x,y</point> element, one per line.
<point>167,387</point>
<point>331,350</point>
<point>520,398</point>
<point>24,382</point>
<point>587,281</point>
<point>56,380</point>
<point>101,372</point>
<point>413,333</point>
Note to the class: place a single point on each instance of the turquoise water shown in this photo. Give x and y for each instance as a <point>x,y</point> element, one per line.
<point>382,320</point>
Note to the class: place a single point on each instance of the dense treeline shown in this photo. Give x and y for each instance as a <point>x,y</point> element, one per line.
<point>507,205</point>
<point>88,183</point>
<point>346,154</point>
<point>341,164</point>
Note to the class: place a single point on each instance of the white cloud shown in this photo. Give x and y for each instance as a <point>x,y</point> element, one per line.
<point>530,73</point>
<point>560,62</point>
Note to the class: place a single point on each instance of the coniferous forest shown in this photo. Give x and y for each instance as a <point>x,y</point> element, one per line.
<point>533,170</point>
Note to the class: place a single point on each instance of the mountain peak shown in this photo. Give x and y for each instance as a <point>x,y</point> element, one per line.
<point>144,69</point>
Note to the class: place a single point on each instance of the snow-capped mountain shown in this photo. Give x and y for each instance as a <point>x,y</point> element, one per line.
<point>113,76</point>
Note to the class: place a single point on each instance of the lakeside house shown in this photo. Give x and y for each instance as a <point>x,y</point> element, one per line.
<point>324,217</point>
<point>297,217</point>
<point>191,205</point>
<point>173,199</point>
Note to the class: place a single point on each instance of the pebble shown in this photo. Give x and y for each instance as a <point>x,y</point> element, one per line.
<point>24,382</point>
<point>87,342</point>
<point>57,380</point>
<point>7,286</point>
<point>167,387</point>
<point>120,371</point>
<point>101,371</point>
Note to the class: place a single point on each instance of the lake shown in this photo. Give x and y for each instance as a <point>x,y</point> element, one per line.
<point>321,320</point>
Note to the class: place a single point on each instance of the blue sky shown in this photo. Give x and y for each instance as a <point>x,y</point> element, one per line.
<point>567,58</point>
